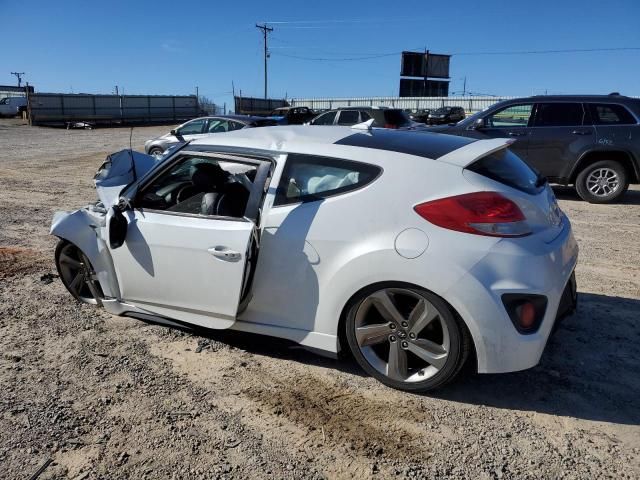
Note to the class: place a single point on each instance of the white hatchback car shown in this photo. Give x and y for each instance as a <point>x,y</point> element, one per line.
<point>412,250</point>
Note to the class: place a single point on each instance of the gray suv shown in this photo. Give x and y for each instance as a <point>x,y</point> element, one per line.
<point>592,142</point>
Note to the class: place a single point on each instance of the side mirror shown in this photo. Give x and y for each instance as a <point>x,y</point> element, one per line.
<point>174,132</point>
<point>117,228</point>
<point>478,124</point>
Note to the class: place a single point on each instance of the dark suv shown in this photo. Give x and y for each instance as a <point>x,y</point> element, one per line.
<point>383,117</point>
<point>446,115</point>
<point>592,142</point>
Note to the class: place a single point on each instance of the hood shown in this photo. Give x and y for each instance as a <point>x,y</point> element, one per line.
<point>119,170</point>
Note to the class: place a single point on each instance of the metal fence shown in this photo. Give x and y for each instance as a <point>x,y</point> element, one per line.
<point>56,108</point>
<point>11,91</point>
<point>470,104</point>
<point>257,106</point>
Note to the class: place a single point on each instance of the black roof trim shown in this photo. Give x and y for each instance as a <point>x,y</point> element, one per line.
<point>421,144</point>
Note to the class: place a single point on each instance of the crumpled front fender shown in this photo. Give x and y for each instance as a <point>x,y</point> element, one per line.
<point>85,228</point>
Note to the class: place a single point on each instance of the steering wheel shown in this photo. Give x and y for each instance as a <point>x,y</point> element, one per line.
<point>185,192</point>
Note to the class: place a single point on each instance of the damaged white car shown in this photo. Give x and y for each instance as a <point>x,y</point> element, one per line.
<point>412,251</point>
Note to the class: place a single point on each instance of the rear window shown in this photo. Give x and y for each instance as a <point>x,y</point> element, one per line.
<point>507,168</point>
<point>559,115</point>
<point>308,178</point>
<point>610,114</point>
<point>348,117</point>
<point>396,117</point>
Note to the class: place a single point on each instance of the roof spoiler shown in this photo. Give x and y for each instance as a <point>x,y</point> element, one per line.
<point>465,156</point>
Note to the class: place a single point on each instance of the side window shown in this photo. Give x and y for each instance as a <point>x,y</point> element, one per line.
<point>200,186</point>
<point>217,125</point>
<point>325,119</point>
<point>308,178</point>
<point>610,114</point>
<point>235,125</point>
<point>510,117</point>
<point>192,128</point>
<point>364,116</point>
<point>348,117</point>
<point>559,115</point>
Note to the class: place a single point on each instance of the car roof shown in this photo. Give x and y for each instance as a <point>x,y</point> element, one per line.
<point>573,98</point>
<point>361,107</point>
<point>240,118</point>
<point>306,139</point>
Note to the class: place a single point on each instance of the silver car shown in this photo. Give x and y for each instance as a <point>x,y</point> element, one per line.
<point>200,127</point>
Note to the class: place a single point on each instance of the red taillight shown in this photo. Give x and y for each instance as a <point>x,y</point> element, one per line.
<point>481,213</point>
<point>390,125</point>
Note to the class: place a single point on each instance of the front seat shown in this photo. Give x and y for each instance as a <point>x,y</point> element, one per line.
<point>206,177</point>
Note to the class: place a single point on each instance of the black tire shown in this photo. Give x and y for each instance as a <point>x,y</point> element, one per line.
<point>591,192</point>
<point>156,151</point>
<point>89,292</point>
<point>459,349</point>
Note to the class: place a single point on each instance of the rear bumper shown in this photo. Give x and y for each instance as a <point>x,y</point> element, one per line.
<point>525,266</point>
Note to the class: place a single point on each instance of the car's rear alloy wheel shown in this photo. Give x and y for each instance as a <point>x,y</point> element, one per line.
<point>406,338</point>
<point>602,182</point>
<point>77,274</point>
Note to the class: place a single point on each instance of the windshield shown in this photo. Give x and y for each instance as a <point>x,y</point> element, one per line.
<point>443,110</point>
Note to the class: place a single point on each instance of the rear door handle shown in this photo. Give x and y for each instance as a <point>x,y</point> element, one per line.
<point>516,134</point>
<point>581,132</point>
<point>224,253</point>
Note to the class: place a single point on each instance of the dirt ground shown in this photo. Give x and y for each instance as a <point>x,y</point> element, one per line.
<point>107,398</point>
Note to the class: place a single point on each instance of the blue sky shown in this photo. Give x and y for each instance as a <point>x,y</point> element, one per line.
<point>164,47</point>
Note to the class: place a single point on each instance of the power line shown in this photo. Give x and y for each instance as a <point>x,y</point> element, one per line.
<point>520,52</point>
<point>538,52</point>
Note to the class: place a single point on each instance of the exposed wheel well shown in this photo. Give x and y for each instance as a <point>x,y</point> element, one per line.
<point>342,330</point>
<point>623,157</point>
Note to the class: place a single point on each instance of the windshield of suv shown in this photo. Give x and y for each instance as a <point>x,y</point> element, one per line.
<point>443,110</point>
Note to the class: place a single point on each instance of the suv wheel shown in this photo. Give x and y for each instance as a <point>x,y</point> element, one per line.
<point>405,337</point>
<point>602,182</point>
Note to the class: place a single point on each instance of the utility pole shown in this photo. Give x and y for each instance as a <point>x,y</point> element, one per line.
<point>19,75</point>
<point>265,31</point>
<point>464,87</point>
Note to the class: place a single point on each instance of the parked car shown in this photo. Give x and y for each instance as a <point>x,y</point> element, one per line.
<point>200,127</point>
<point>411,251</point>
<point>292,115</point>
<point>383,117</point>
<point>420,116</point>
<point>446,115</point>
<point>589,141</point>
<point>12,106</point>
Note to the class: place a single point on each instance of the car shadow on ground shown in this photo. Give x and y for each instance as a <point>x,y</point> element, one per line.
<point>588,370</point>
<point>631,197</point>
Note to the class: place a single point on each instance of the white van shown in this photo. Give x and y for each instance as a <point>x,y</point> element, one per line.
<point>12,106</point>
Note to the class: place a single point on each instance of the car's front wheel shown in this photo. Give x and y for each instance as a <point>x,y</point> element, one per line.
<point>77,274</point>
<point>602,182</point>
<point>407,338</point>
<point>156,152</point>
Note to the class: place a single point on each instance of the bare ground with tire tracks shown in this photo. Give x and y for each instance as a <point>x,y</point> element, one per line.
<point>107,397</point>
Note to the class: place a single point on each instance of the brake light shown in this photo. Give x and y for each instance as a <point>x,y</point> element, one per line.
<point>390,125</point>
<point>480,213</point>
